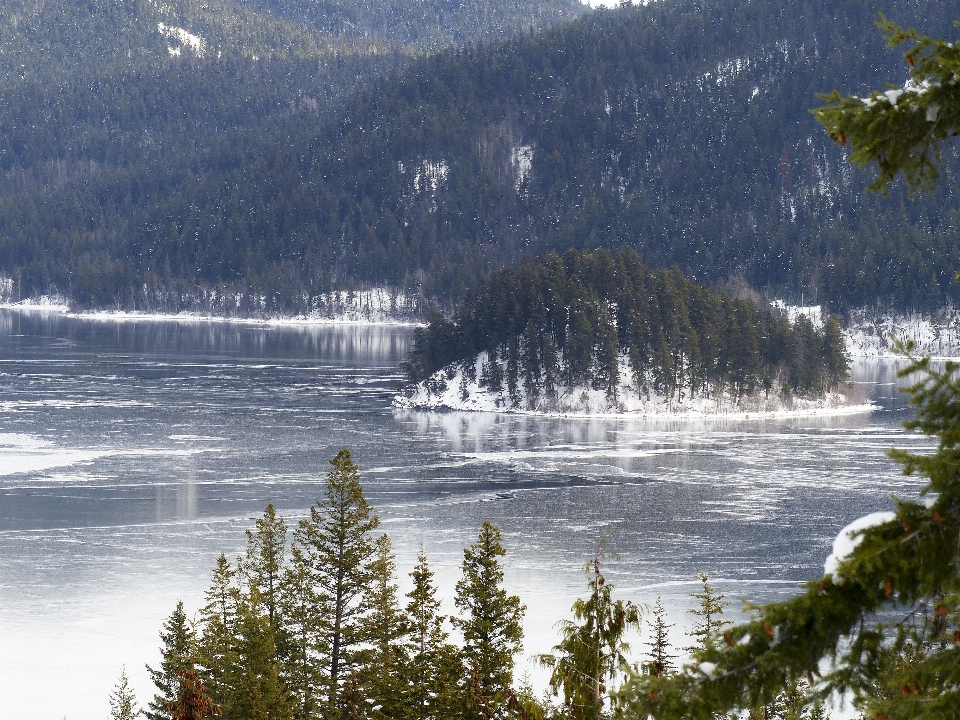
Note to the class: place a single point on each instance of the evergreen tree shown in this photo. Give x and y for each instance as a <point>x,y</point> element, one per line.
<point>177,653</point>
<point>123,701</point>
<point>432,666</point>
<point>192,701</point>
<point>709,623</point>
<point>338,549</point>
<point>591,657</point>
<point>661,660</point>
<point>491,623</point>
<point>255,691</point>
<point>216,650</point>
<point>266,547</point>
<point>305,643</point>
<point>381,667</point>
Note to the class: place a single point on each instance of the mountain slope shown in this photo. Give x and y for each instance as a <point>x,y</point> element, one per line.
<point>680,129</point>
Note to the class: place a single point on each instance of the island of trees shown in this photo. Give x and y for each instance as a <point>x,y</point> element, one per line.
<point>589,318</point>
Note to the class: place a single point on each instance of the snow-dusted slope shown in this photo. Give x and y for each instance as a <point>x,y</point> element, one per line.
<point>873,334</point>
<point>452,389</point>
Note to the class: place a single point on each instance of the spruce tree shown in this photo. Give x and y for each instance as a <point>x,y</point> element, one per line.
<point>591,657</point>
<point>305,643</point>
<point>385,627</point>
<point>255,691</point>
<point>123,701</point>
<point>712,604</point>
<point>661,659</point>
<point>177,653</point>
<point>266,548</point>
<point>215,647</point>
<point>192,701</point>
<point>491,623</point>
<point>338,548</point>
<point>431,663</point>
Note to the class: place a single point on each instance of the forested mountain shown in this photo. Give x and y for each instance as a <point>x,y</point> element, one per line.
<point>680,129</point>
<point>570,320</point>
<point>111,107</point>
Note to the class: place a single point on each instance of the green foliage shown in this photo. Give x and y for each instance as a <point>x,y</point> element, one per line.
<point>266,546</point>
<point>885,617</point>
<point>490,621</point>
<point>661,659</point>
<point>901,129</point>
<point>571,317</point>
<point>591,658</point>
<point>123,701</point>
<point>381,666</point>
<point>338,551</point>
<point>706,632</point>
<point>433,668</point>
<point>176,654</point>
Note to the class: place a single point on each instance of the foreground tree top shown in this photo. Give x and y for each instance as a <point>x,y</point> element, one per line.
<point>901,128</point>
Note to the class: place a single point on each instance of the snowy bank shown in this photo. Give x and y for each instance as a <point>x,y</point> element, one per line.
<point>379,306</point>
<point>456,390</point>
<point>871,334</point>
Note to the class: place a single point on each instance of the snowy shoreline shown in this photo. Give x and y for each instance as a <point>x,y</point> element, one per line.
<point>453,390</point>
<point>353,317</point>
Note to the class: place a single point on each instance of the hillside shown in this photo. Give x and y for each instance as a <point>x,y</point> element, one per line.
<point>111,108</point>
<point>680,129</point>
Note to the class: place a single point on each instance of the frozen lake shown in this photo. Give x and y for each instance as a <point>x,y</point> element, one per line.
<point>133,453</point>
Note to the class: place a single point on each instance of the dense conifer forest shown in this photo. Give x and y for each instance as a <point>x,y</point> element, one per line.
<point>568,321</point>
<point>680,129</point>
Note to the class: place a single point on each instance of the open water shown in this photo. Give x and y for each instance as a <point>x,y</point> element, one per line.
<point>133,453</point>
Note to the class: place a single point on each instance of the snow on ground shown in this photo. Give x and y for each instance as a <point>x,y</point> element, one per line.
<point>452,389</point>
<point>871,333</point>
<point>376,306</point>
<point>814,313</point>
<point>183,38</point>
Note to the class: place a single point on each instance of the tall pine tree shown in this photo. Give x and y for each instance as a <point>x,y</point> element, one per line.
<point>491,623</point>
<point>338,548</point>
<point>177,653</point>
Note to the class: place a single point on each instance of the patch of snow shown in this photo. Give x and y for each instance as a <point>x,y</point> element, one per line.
<point>454,389</point>
<point>871,333</point>
<point>850,537</point>
<point>521,158</point>
<point>44,303</point>
<point>813,313</point>
<point>184,38</point>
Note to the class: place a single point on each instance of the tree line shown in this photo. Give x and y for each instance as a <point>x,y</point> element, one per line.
<point>568,320</point>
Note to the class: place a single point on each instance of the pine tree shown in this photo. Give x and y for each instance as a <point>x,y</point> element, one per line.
<point>491,623</point>
<point>305,643</point>
<point>661,660</point>
<point>381,663</point>
<point>255,691</point>
<point>591,657</point>
<point>192,701</point>
<point>896,594</point>
<point>432,666</point>
<point>709,623</point>
<point>177,653</point>
<point>266,547</point>
<point>123,701</point>
<point>215,648</point>
<point>338,549</point>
